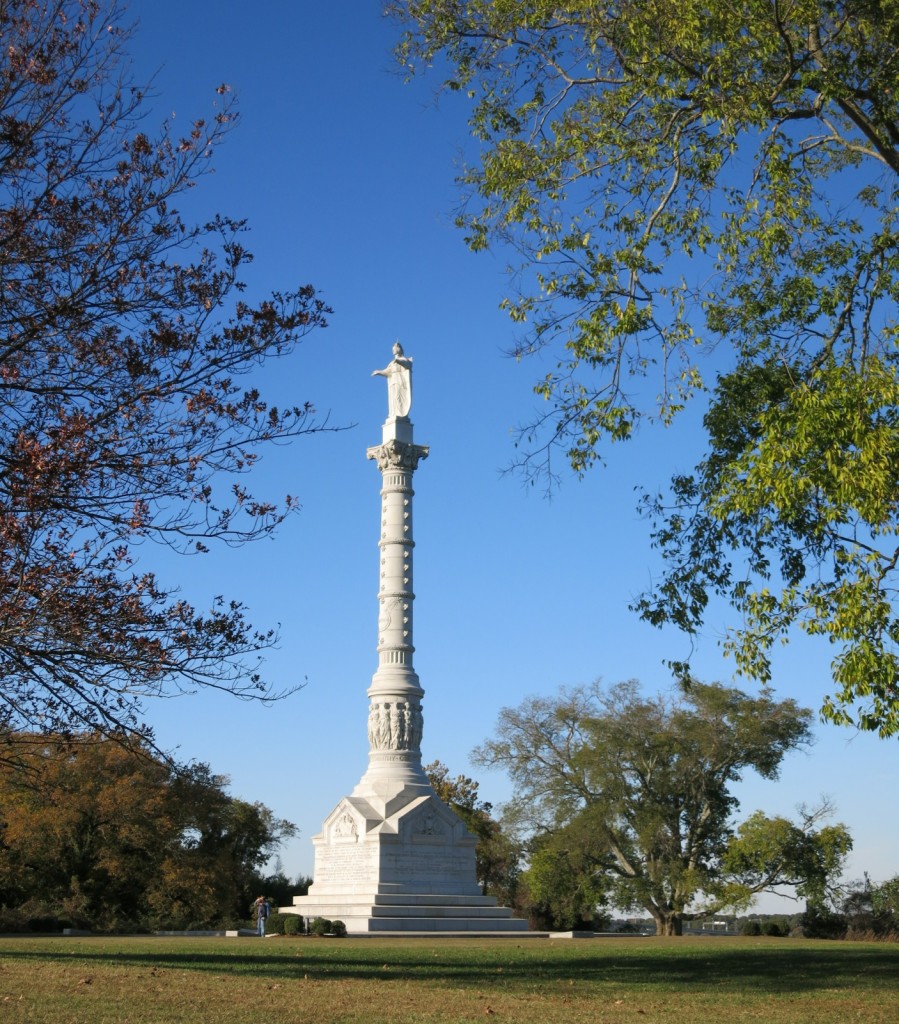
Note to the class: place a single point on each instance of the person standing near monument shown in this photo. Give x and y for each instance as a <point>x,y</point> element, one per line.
<point>399,382</point>
<point>262,910</point>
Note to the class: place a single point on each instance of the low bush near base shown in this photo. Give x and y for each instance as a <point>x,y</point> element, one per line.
<point>323,926</point>
<point>293,924</point>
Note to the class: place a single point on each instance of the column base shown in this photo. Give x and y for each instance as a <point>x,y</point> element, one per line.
<point>403,862</point>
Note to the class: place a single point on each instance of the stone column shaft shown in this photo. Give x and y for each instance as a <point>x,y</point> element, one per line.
<point>395,717</point>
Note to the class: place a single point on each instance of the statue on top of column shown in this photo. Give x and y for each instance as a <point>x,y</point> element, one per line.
<point>399,382</point>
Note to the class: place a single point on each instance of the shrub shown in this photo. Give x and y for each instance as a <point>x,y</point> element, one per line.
<point>46,923</point>
<point>751,928</point>
<point>773,928</point>
<point>322,926</point>
<point>11,920</point>
<point>822,923</point>
<point>274,924</point>
<point>293,924</point>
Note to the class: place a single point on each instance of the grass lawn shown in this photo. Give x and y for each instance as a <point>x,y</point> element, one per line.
<point>326,981</point>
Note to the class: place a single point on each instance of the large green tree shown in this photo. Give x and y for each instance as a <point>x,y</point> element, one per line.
<point>637,792</point>
<point>93,834</point>
<point>700,196</point>
<point>125,415</point>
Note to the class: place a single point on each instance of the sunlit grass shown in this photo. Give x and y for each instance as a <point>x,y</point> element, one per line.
<point>155,980</point>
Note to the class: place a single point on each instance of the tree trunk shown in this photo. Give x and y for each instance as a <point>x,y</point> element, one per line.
<point>669,924</point>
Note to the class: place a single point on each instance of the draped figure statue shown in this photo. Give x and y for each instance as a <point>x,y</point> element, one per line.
<point>399,383</point>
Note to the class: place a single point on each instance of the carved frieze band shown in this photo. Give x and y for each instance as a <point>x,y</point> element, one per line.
<point>395,454</point>
<point>394,725</point>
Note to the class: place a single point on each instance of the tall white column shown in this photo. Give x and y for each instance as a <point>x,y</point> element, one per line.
<point>395,717</point>
<point>391,856</point>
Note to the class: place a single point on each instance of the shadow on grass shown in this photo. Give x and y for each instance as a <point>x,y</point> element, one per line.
<point>736,967</point>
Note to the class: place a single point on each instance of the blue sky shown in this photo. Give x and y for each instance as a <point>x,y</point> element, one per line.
<point>346,176</point>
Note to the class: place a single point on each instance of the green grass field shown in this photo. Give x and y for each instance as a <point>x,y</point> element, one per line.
<point>226,981</point>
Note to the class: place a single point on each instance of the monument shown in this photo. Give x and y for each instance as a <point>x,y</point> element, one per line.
<point>391,856</point>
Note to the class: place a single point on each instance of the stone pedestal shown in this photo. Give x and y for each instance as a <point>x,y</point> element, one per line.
<point>391,856</point>
<point>407,871</point>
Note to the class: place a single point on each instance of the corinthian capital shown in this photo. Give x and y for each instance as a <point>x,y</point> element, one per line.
<point>395,454</point>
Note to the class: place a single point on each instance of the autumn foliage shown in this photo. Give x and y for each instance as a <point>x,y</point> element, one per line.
<point>93,836</point>
<point>125,417</point>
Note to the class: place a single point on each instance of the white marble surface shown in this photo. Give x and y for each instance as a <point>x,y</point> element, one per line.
<point>392,856</point>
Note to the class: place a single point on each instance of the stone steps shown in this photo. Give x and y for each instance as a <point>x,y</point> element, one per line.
<point>379,912</point>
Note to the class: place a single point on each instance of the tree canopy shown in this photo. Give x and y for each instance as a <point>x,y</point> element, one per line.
<point>95,836</point>
<point>870,909</point>
<point>633,797</point>
<point>125,417</point>
<point>700,198</point>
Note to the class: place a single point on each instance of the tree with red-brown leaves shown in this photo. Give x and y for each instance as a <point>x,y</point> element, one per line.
<point>124,339</point>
